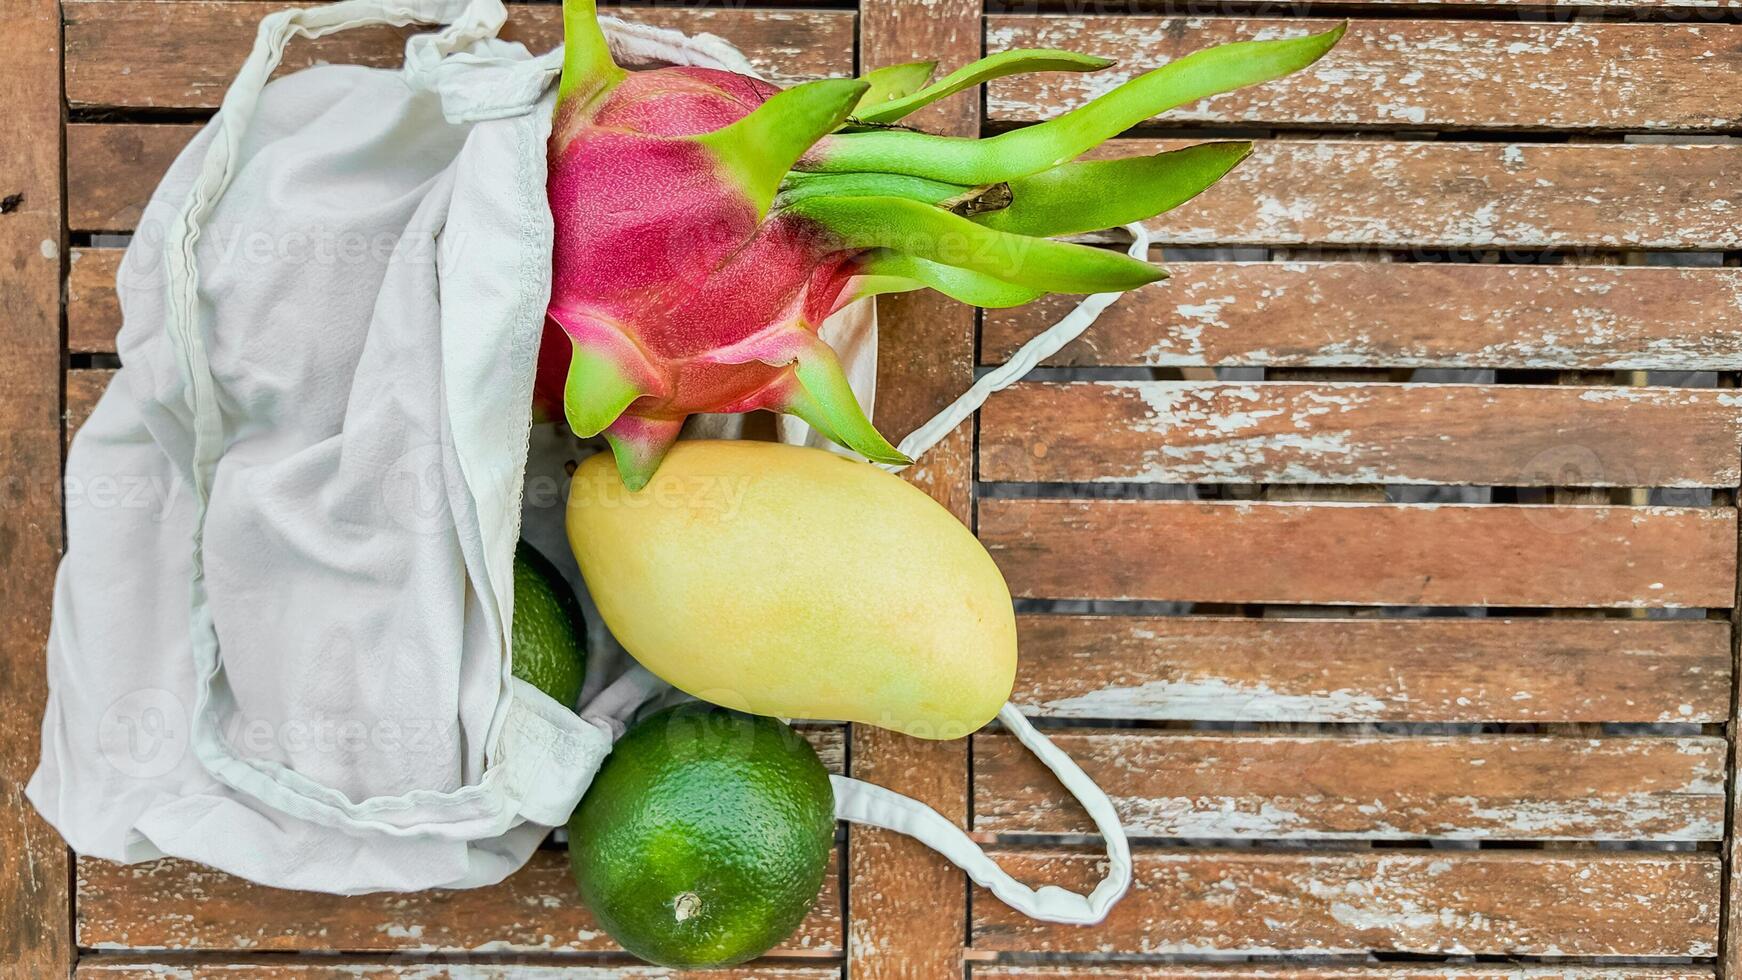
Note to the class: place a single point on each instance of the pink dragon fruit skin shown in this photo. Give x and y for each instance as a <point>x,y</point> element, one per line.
<point>678,296</point>
<point>706,224</point>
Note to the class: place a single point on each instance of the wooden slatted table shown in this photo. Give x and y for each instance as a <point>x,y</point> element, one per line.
<point>1382,563</point>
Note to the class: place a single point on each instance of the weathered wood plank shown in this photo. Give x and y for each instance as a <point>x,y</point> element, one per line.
<point>908,914</point>
<point>84,387</point>
<point>112,170</point>
<point>1330,192</point>
<point>123,967</point>
<point>1419,73</point>
<point>1431,671</point>
<point>35,934</point>
<point>93,311</point>
<point>1301,971</point>
<point>1230,786</point>
<point>172,904</point>
<point>1364,554</point>
<point>830,742</point>
<point>1560,7</point>
<point>1730,928</point>
<point>1463,195</point>
<point>1062,5</point>
<point>1470,902</point>
<point>150,54</point>
<point>1275,432</point>
<point>1403,314</point>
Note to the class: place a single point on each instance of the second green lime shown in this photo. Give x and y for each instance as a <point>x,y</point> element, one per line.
<point>549,635</point>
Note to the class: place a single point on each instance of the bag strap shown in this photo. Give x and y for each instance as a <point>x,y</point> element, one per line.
<point>866,803</point>
<point>643,44</point>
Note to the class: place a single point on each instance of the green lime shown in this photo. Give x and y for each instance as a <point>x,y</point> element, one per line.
<point>549,636</point>
<point>705,836</point>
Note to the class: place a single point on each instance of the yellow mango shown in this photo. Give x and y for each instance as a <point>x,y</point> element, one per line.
<point>792,582</point>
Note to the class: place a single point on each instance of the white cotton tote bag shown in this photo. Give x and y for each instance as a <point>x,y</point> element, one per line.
<point>279,642</point>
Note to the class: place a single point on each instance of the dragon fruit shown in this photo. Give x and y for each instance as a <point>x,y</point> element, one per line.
<point>707,223</point>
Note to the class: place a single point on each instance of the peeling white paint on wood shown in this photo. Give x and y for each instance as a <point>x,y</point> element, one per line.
<point>1301,971</point>
<point>1358,314</point>
<point>173,904</point>
<point>1455,74</point>
<point>1352,192</point>
<point>1486,903</point>
<point>1361,433</point>
<point>1347,787</point>
<point>1216,698</point>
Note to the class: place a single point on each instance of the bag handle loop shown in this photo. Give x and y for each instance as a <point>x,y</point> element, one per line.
<point>865,803</point>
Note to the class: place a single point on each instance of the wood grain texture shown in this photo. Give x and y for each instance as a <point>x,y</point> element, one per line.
<point>1275,432</point>
<point>1431,671</point>
<point>171,904</point>
<point>1377,787</point>
<point>1463,195</point>
<point>1431,74</point>
<point>157,55</point>
<point>1561,8</point>
<point>35,936</point>
<point>93,311</point>
<point>1730,940</point>
<point>84,387</point>
<point>1364,554</point>
<point>1324,192</point>
<point>123,967</point>
<point>1558,8</point>
<point>1543,903</point>
<point>1402,314</point>
<point>1184,971</point>
<point>113,168</point>
<point>908,908</point>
